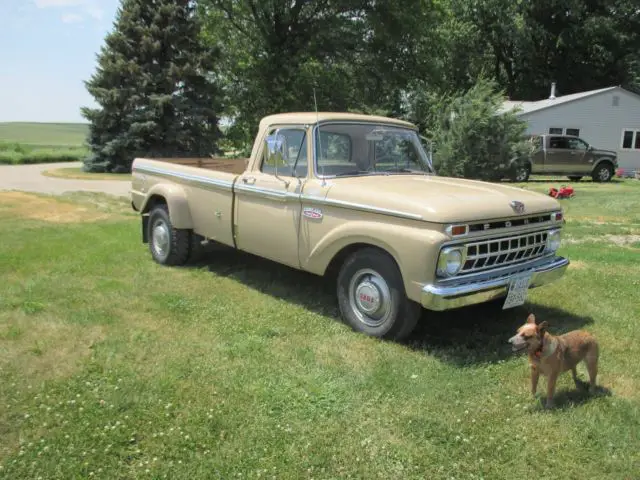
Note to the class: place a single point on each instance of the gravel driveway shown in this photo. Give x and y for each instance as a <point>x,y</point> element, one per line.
<point>29,178</point>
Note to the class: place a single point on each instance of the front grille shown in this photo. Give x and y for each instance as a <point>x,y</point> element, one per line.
<point>514,222</point>
<point>497,252</point>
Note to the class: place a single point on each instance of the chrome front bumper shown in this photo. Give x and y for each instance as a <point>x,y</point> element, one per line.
<point>455,295</point>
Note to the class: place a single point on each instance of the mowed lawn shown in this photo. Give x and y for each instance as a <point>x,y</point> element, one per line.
<point>114,367</point>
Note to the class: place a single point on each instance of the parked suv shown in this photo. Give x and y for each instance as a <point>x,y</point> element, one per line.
<point>564,155</point>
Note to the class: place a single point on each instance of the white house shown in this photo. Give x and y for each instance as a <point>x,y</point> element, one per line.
<point>608,118</point>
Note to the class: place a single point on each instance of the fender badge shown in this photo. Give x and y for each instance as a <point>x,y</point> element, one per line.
<point>311,212</point>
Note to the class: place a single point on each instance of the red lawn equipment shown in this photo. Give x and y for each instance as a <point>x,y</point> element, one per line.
<point>564,192</point>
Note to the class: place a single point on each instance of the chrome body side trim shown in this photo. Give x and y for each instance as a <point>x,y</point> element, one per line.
<point>440,297</point>
<point>197,180</point>
<point>280,195</point>
<point>358,206</point>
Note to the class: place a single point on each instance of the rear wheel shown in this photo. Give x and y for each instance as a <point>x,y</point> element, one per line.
<point>575,178</point>
<point>603,172</point>
<point>168,245</point>
<point>372,298</point>
<point>520,173</point>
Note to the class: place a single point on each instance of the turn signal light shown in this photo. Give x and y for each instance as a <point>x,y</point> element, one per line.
<point>456,230</point>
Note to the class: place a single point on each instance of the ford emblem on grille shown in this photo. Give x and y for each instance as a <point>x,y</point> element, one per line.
<point>517,206</point>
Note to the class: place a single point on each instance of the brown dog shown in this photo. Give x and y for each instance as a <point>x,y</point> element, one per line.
<point>551,355</point>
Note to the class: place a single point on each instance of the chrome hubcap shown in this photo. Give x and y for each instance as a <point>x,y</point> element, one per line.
<point>522,174</point>
<point>160,238</point>
<point>370,298</point>
<point>604,174</point>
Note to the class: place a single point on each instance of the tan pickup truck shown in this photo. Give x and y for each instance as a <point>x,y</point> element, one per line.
<point>355,196</point>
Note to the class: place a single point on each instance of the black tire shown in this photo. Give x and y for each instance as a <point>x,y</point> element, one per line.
<point>520,173</point>
<point>369,280</point>
<point>574,178</point>
<point>603,172</point>
<point>197,250</point>
<point>168,245</point>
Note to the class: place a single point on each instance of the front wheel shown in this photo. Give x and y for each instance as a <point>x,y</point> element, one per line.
<point>372,298</point>
<point>602,173</point>
<point>168,245</point>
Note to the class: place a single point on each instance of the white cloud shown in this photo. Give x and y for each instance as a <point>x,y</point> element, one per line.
<point>72,18</point>
<point>59,3</point>
<point>94,11</point>
<point>90,8</point>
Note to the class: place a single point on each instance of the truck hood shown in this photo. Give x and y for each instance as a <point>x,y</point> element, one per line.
<point>439,199</point>
<point>604,153</point>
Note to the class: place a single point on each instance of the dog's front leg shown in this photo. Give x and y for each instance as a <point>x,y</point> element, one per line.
<point>535,374</point>
<point>551,388</point>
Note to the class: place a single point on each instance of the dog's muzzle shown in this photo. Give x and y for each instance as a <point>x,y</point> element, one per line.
<point>517,343</point>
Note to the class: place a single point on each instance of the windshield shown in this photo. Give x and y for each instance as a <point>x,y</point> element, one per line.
<point>368,149</point>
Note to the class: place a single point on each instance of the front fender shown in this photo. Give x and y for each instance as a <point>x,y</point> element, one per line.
<point>414,248</point>
<point>612,160</point>
<point>177,202</point>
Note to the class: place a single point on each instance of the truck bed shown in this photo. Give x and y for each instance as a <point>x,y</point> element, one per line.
<point>220,164</point>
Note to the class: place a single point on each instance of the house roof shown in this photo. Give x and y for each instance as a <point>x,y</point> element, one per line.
<point>528,107</point>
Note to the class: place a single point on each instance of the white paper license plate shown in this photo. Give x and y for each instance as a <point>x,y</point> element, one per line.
<point>518,289</point>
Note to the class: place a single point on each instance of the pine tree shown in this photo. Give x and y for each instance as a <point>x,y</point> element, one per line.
<point>154,88</point>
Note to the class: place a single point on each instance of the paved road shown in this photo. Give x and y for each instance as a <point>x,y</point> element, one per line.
<point>29,178</point>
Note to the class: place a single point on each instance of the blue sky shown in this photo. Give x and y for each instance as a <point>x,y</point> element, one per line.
<point>47,49</point>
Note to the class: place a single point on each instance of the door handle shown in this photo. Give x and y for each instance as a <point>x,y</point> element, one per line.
<point>249,180</point>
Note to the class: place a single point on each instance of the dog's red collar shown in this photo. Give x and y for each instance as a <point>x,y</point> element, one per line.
<point>538,351</point>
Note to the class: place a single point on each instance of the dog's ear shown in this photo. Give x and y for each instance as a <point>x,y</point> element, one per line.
<point>543,327</point>
<point>531,318</point>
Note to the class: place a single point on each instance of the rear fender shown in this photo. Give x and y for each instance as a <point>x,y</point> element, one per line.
<point>176,200</point>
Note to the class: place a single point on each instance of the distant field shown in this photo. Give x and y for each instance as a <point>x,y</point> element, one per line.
<point>44,134</point>
<point>30,142</point>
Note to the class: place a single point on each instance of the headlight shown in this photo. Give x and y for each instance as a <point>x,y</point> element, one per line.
<point>553,241</point>
<point>450,261</point>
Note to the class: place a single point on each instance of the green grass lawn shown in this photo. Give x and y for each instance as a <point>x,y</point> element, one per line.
<point>79,174</point>
<point>114,367</point>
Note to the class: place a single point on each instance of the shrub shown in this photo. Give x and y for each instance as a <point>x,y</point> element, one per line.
<point>472,138</point>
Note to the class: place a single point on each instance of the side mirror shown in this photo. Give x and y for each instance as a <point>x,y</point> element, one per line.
<point>276,150</point>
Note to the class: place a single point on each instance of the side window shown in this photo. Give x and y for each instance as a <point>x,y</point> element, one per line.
<point>558,142</point>
<point>285,152</point>
<point>576,144</point>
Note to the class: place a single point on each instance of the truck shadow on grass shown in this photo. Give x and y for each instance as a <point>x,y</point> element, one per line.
<point>480,333</point>
<point>465,336</point>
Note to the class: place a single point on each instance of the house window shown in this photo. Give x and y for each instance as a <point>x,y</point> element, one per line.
<point>631,139</point>
<point>575,132</point>
<point>615,101</point>
<point>555,131</point>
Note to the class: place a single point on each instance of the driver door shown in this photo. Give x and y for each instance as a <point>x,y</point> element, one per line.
<point>580,161</point>
<point>268,207</point>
